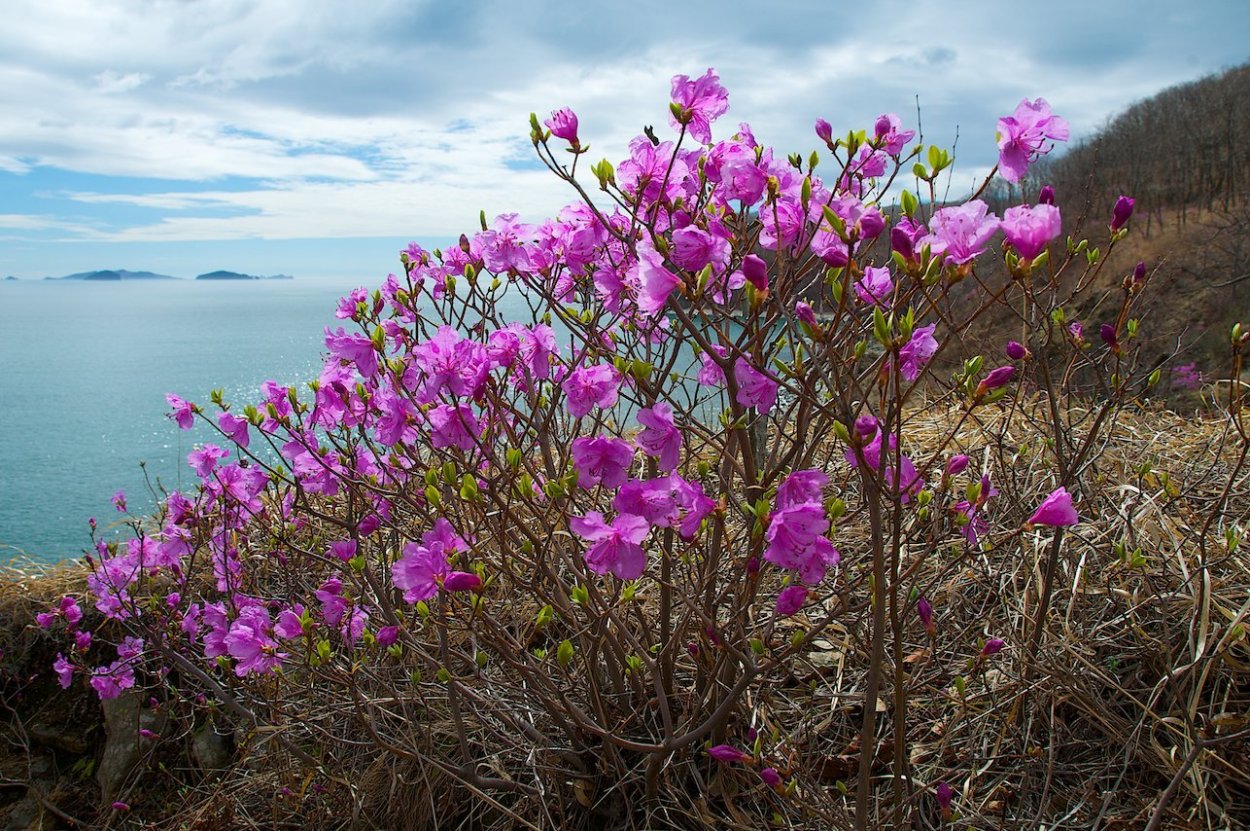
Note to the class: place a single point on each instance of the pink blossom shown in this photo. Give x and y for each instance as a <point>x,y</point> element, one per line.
<point>887,130</point>
<point>659,436</point>
<point>700,102</point>
<point>563,124</point>
<point>184,411</point>
<point>694,503</point>
<point>960,233</point>
<point>1030,229</point>
<point>204,459</point>
<point>1022,136</point>
<point>654,282</point>
<point>64,671</point>
<point>591,386</point>
<point>651,499</point>
<point>289,624</point>
<point>354,348</point>
<point>974,524</point>
<point>602,461</point>
<point>796,542</point>
<point>875,286</point>
<point>906,237</point>
<point>790,600</point>
<point>615,548</point>
<point>755,389</point>
<point>453,427</point>
<point>251,644</point>
<point>917,352</point>
<point>418,571</point>
<point>694,248</point>
<point>342,550</point>
<point>235,427</point>
<point>1056,510</point>
<point>710,373</point>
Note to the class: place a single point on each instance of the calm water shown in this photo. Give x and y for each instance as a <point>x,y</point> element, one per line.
<point>84,368</point>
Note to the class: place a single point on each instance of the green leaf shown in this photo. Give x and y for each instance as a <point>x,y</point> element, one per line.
<point>564,654</point>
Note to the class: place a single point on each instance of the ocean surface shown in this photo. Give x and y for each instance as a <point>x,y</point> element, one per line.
<point>84,368</point>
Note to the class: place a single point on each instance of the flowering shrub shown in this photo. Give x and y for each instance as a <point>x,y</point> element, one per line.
<point>607,531</point>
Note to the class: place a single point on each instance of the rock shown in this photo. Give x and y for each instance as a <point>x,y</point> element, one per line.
<point>211,750</point>
<point>124,717</point>
<point>59,738</point>
<point>27,815</point>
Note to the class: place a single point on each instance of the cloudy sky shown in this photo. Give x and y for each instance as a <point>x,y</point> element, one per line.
<point>315,137</point>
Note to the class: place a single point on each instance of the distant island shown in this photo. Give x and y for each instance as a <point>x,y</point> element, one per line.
<point>234,275</point>
<point>113,275</point>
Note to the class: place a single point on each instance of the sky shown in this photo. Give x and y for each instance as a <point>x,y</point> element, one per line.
<point>318,137</point>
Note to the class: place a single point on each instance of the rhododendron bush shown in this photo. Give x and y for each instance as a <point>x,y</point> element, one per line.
<point>563,513</point>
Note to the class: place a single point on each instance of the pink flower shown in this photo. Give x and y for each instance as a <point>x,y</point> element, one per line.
<point>790,600</point>
<point>615,548</point>
<point>1022,136</point>
<point>64,671</point>
<point>203,460</point>
<point>651,499</point>
<point>655,282</point>
<point>917,352</point>
<point>250,643</point>
<point>601,461</point>
<point>796,541</point>
<point>235,427</point>
<point>418,571</point>
<point>729,754</point>
<point>453,427</point>
<point>887,130</point>
<point>659,436</point>
<point>906,237</point>
<point>755,389</point>
<point>694,502</point>
<point>961,233</point>
<point>184,411</point>
<point>119,501</point>
<point>354,348</point>
<point>710,373</point>
<point>342,549</point>
<point>1030,230</point>
<point>693,248</point>
<point>875,286</point>
<point>563,124</point>
<point>591,386</point>
<point>1056,510</point>
<point>699,103</point>
<point>289,624</point>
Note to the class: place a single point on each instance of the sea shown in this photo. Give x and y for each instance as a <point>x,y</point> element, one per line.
<point>84,368</point>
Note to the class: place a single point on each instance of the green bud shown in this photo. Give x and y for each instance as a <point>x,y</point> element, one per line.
<point>482,659</point>
<point>757,646</point>
<point>909,203</point>
<point>443,675</point>
<point>564,654</point>
<point>433,496</point>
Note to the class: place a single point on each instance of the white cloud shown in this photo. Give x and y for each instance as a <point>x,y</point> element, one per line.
<point>401,118</point>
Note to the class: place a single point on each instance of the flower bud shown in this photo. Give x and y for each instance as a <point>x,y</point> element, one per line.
<point>728,754</point>
<point>992,647</point>
<point>1046,196</point>
<point>924,610</point>
<point>461,581</point>
<point>804,313</point>
<point>1017,351</point>
<point>824,131</point>
<point>1139,273</point>
<point>943,794</point>
<point>771,777</point>
<point>996,378</point>
<point>756,271</point>
<point>1108,334</point>
<point>1121,212</point>
<point>956,465</point>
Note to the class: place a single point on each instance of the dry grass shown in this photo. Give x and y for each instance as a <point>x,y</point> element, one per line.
<point>1138,693</point>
